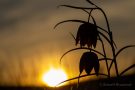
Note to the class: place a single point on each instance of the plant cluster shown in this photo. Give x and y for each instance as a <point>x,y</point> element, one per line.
<point>88,34</point>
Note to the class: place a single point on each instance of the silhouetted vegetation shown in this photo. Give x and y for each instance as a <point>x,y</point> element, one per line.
<point>88,34</point>
<point>124,82</point>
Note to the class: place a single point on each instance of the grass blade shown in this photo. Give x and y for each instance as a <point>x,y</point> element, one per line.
<point>123,49</point>
<point>130,67</point>
<point>81,77</point>
<point>79,49</point>
<point>81,21</point>
<point>75,7</point>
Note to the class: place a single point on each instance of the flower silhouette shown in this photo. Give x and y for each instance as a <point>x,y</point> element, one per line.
<point>87,35</point>
<point>88,61</point>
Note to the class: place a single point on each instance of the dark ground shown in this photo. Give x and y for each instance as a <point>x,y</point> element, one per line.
<point>125,83</point>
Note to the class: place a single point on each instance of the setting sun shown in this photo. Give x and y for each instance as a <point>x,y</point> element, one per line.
<point>54,77</point>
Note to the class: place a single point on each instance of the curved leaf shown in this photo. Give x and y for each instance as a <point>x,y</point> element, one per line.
<point>93,17</point>
<point>75,7</point>
<point>90,2</point>
<point>79,49</point>
<point>98,8</point>
<point>103,30</point>
<point>107,39</point>
<point>81,77</point>
<point>98,26</point>
<point>120,52</point>
<point>85,11</point>
<point>130,67</point>
<point>123,49</point>
<point>81,21</point>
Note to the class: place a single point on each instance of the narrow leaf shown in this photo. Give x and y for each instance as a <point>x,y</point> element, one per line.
<point>90,2</point>
<point>123,49</point>
<point>120,52</point>
<point>107,39</point>
<point>75,7</point>
<point>130,67</point>
<point>81,21</point>
<point>103,30</point>
<point>81,77</point>
<point>79,49</point>
<point>103,47</point>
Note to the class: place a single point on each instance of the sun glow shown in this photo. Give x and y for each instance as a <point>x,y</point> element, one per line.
<point>54,77</point>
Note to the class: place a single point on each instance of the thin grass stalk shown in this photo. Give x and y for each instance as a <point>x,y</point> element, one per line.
<point>111,39</point>
<point>114,56</point>
<point>107,66</point>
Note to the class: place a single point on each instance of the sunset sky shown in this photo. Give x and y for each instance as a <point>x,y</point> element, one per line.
<point>29,44</point>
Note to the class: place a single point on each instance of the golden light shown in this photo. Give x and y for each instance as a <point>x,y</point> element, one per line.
<point>54,77</point>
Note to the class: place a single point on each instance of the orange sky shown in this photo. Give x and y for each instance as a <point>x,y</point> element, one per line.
<point>29,45</point>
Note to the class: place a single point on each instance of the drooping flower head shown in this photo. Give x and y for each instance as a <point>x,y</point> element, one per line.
<point>87,35</point>
<point>88,61</point>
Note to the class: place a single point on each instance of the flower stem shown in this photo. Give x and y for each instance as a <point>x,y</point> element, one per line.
<point>114,56</point>
<point>105,57</point>
<point>111,40</point>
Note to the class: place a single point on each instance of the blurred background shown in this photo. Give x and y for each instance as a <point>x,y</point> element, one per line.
<point>29,45</point>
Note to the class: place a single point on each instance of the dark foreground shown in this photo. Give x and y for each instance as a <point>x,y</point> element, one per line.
<point>124,83</point>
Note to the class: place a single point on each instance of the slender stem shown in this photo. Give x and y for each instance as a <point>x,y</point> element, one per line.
<point>112,46</point>
<point>114,56</point>
<point>89,16</point>
<point>108,27</point>
<point>111,40</point>
<point>105,57</point>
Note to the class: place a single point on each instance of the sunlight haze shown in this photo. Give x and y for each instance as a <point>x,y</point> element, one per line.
<point>29,44</point>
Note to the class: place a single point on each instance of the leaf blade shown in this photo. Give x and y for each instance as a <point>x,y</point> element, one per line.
<point>81,21</point>
<point>123,49</point>
<point>79,49</point>
<point>130,67</point>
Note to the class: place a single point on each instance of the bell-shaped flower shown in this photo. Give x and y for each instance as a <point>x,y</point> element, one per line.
<point>88,61</point>
<point>87,35</point>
